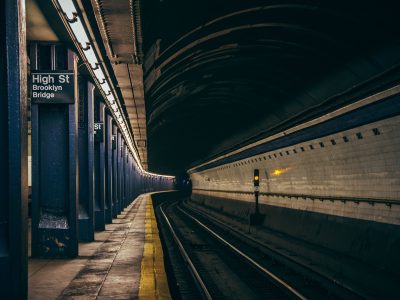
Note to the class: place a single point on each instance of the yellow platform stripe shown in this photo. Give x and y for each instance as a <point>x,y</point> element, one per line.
<point>153,279</point>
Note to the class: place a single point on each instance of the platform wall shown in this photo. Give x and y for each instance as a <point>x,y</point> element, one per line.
<point>360,163</point>
<point>319,196</point>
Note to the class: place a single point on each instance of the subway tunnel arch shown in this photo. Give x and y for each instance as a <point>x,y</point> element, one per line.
<point>320,58</point>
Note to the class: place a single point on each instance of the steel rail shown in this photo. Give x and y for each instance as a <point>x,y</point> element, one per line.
<point>279,254</point>
<point>278,281</point>
<point>186,257</point>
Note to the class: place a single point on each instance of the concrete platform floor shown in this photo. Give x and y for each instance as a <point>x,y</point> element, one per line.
<point>124,262</point>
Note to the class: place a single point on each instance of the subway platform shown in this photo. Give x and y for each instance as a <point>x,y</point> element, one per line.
<point>124,262</point>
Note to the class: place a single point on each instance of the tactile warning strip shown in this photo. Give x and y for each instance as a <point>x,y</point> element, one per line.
<point>153,281</point>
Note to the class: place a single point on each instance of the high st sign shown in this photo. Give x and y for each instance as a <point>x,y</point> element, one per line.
<point>52,87</point>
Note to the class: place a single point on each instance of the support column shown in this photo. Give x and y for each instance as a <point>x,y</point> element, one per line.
<point>109,168</point>
<point>136,183</point>
<point>86,159</point>
<point>130,178</point>
<point>134,178</point>
<point>142,184</point>
<point>54,161</point>
<point>13,151</point>
<point>115,170</point>
<point>125,174</point>
<point>119,148</point>
<point>99,175</point>
<point>123,163</point>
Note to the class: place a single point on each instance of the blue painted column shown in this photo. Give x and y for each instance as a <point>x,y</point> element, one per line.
<point>118,182</point>
<point>123,168</point>
<point>86,159</point>
<point>130,178</point>
<point>108,167</point>
<point>54,162</point>
<point>124,174</point>
<point>115,170</point>
<point>99,174</point>
<point>141,184</point>
<point>13,152</point>
<point>138,183</point>
<point>120,173</point>
<point>134,179</point>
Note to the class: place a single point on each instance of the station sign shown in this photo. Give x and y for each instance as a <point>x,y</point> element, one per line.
<point>52,87</point>
<point>114,141</point>
<point>99,132</point>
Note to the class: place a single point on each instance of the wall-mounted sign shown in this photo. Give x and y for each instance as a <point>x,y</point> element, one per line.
<point>114,141</point>
<point>52,87</point>
<point>99,132</point>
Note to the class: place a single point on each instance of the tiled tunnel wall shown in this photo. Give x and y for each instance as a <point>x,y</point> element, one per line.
<point>309,192</point>
<point>362,162</point>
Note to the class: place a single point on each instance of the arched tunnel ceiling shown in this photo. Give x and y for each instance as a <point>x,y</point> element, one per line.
<point>219,74</point>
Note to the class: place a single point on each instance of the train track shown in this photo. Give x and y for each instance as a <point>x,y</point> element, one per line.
<point>219,267</point>
<point>317,285</point>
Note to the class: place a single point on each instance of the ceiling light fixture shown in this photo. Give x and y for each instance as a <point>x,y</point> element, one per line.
<point>67,9</point>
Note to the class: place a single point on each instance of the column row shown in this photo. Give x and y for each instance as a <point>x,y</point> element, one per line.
<point>83,171</point>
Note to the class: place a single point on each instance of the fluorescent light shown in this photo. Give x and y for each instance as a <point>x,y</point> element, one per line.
<point>80,37</point>
<point>99,75</point>
<point>80,33</point>
<point>92,59</point>
<point>106,88</point>
<point>68,8</point>
<point>111,98</point>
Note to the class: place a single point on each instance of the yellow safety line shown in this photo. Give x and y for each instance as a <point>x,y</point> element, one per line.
<point>153,280</point>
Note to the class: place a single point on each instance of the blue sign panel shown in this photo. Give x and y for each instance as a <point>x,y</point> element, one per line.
<point>52,87</point>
